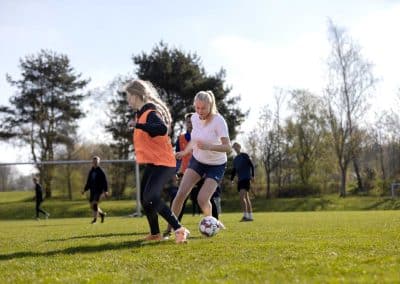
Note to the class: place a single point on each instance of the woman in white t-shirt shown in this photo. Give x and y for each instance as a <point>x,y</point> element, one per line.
<point>209,145</point>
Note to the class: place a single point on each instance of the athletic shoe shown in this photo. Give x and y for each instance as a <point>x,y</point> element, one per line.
<point>166,234</point>
<point>181,235</point>
<point>244,219</point>
<point>221,225</point>
<point>94,221</point>
<point>249,219</point>
<point>102,215</point>
<point>47,215</point>
<point>151,237</point>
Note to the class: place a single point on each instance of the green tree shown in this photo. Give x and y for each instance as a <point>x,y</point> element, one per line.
<point>45,104</point>
<point>179,76</point>
<point>305,129</point>
<point>119,116</point>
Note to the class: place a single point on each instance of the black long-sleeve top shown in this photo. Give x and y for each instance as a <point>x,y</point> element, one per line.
<point>38,193</point>
<point>154,125</point>
<point>243,167</point>
<point>96,181</point>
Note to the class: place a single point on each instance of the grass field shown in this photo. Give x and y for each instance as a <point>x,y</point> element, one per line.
<point>298,247</point>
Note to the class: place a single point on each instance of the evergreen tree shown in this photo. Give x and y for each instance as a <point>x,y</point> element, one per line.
<point>178,76</point>
<point>45,105</point>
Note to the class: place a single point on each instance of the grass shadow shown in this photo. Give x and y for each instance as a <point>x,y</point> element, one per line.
<point>385,203</point>
<point>97,236</point>
<point>83,249</point>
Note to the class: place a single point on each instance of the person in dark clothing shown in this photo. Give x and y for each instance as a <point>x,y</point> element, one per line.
<point>153,150</point>
<point>171,189</point>
<point>39,199</point>
<point>244,169</point>
<point>182,164</point>
<point>216,202</point>
<point>98,186</point>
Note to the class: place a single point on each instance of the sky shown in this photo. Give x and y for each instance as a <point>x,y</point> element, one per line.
<point>262,44</point>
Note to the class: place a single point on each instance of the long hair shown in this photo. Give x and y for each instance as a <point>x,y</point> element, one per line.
<point>208,97</point>
<point>146,91</point>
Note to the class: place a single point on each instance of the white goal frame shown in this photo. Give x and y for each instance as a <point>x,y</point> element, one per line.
<point>138,212</point>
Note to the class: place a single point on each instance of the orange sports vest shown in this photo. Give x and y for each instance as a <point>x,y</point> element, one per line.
<point>152,150</point>
<point>185,160</point>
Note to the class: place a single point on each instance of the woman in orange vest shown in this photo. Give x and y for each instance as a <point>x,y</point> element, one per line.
<point>153,149</point>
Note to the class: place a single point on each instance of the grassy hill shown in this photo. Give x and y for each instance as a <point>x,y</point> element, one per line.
<point>19,205</point>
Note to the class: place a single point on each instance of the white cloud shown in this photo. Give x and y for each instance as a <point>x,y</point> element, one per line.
<point>377,34</point>
<point>256,69</point>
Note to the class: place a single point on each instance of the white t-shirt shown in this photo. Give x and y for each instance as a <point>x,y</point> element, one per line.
<point>209,133</point>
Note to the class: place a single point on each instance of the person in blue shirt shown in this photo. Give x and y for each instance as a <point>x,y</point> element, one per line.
<point>244,169</point>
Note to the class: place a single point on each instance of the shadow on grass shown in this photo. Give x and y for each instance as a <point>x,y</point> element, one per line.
<point>83,249</point>
<point>385,203</point>
<point>97,236</point>
<point>308,205</point>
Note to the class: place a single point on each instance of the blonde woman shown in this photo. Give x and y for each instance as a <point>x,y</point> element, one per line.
<point>153,149</point>
<point>209,145</point>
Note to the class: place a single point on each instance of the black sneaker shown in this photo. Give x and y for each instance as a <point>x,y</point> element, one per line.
<point>244,219</point>
<point>102,216</point>
<point>94,221</point>
<point>167,234</point>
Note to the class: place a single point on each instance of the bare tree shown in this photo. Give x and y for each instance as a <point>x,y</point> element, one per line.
<point>266,138</point>
<point>350,84</point>
<point>279,99</point>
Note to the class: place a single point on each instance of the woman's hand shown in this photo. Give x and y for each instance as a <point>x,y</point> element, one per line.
<point>180,155</point>
<point>132,122</point>
<point>203,146</point>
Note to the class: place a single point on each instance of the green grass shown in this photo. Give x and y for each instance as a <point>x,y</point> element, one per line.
<point>19,205</point>
<point>333,242</point>
<point>297,247</point>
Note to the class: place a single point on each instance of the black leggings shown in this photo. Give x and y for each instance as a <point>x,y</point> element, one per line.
<point>153,181</point>
<point>39,210</point>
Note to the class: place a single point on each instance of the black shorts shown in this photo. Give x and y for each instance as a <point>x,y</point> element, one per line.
<point>243,184</point>
<point>95,197</point>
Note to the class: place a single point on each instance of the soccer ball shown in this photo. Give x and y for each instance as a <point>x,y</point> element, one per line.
<point>209,226</point>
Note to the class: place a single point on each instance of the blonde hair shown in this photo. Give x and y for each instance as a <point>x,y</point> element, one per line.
<point>146,91</point>
<point>208,97</point>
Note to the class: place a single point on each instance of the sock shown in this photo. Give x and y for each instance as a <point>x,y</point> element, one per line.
<point>250,215</point>
<point>245,215</point>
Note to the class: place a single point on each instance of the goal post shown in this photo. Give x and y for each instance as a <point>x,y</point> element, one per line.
<point>395,187</point>
<point>74,162</point>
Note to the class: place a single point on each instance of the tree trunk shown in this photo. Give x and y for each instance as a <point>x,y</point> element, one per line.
<point>360,187</point>
<point>382,164</point>
<point>342,190</point>
<point>69,185</point>
<point>268,173</point>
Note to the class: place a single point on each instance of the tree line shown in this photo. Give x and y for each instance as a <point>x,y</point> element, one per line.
<point>323,144</point>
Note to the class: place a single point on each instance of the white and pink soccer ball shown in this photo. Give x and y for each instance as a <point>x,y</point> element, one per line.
<point>209,226</point>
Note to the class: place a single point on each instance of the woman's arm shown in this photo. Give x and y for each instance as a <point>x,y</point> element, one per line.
<point>188,149</point>
<point>224,147</point>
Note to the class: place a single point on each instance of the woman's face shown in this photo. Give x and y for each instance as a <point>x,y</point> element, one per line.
<point>133,101</point>
<point>203,109</point>
<point>189,125</point>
